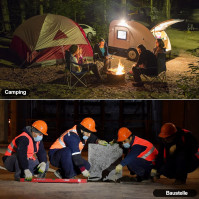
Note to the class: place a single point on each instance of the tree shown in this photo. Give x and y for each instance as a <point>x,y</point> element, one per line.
<point>5,15</point>
<point>168,9</point>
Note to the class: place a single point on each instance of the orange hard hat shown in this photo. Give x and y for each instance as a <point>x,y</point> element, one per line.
<point>167,130</point>
<point>89,124</point>
<point>41,126</point>
<point>123,134</point>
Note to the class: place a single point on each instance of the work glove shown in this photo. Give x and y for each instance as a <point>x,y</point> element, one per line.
<point>112,142</point>
<point>102,142</point>
<point>118,168</point>
<point>153,172</point>
<point>28,175</point>
<point>86,173</point>
<point>41,167</point>
<point>172,149</point>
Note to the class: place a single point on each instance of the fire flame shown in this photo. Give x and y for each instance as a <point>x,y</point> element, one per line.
<point>119,70</point>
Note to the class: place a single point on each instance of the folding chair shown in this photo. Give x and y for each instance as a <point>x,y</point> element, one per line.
<point>78,76</point>
<point>161,73</point>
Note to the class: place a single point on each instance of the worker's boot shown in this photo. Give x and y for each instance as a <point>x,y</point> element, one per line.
<point>180,182</point>
<point>58,173</point>
<point>41,175</point>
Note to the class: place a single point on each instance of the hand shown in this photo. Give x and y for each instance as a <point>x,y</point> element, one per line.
<point>86,173</point>
<point>172,149</point>
<point>41,167</point>
<point>153,172</point>
<point>118,168</point>
<point>102,142</point>
<point>112,142</point>
<point>28,175</point>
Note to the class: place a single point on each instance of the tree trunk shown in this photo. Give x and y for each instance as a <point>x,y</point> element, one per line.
<point>23,13</point>
<point>41,8</point>
<point>151,6</point>
<point>105,12</point>
<point>123,8</point>
<point>6,17</point>
<point>168,8</point>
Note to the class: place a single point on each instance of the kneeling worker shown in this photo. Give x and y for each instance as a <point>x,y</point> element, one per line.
<point>20,155</point>
<point>141,155</point>
<point>65,152</point>
<point>178,153</point>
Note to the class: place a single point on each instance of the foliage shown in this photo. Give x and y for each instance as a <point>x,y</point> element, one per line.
<point>190,85</point>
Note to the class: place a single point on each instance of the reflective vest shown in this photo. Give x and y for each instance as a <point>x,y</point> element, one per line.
<point>149,153</point>
<point>30,150</point>
<point>59,143</point>
<point>183,140</point>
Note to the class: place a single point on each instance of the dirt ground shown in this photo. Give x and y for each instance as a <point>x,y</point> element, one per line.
<point>49,82</point>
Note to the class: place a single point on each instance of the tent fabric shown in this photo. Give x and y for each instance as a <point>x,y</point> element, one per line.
<point>44,38</point>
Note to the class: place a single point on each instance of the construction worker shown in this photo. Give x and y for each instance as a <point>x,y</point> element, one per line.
<point>65,152</point>
<point>178,154</point>
<point>20,156</point>
<point>140,157</point>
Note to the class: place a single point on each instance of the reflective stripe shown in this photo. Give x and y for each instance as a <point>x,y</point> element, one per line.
<point>76,153</point>
<point>148,153</point>
<point>62,143</point>
<point>12,145</point>
<point>9,151</point>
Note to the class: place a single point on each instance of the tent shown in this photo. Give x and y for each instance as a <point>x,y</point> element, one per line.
<point>43,39</point>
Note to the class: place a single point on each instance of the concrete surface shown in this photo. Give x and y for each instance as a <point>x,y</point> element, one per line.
<point>103,160</point>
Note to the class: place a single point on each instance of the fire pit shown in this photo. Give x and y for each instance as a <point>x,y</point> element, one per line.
<point>116,75</point>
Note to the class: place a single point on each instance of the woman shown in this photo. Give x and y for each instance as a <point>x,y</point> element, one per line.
<point>159,47</point>
<point>101,50</point>
<point>74,51</point>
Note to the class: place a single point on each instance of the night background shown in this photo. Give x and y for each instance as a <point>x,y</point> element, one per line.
<point>143,117</point>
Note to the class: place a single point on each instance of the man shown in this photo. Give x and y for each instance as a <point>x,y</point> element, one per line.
<point>146,64</point>
<point>65,152</point>
<point>141,154</point>
<point>178,154</point>
<point>100,52</point>
<point>20,154</point>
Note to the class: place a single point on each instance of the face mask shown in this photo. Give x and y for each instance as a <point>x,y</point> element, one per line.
<point>85,137</point>
<point>126,145</point>
<point>38,138</point>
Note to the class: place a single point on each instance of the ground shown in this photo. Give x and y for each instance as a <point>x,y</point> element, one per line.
<point>49,82</point>
<point>95,190</point>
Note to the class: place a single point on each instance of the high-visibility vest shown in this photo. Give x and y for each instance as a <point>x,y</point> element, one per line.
<point>59,143</point>
<point>149,153</point>
<point>12,147</point>
<point>183,140</point>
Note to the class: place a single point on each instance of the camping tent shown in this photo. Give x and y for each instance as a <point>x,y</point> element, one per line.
<point>43,39</point>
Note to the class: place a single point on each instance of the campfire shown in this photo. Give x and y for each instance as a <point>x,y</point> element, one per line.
<point>116,74</point>
<point>117,71</point>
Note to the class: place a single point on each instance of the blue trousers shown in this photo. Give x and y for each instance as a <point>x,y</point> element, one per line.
<point>62,158</point>
<point>12,164</point>
<point>140,167</point>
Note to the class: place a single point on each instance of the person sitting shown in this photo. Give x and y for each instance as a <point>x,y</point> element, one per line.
<point>78,68</point>
<point>159,47</point>
<point>146,64</point>
<point>101,49</point>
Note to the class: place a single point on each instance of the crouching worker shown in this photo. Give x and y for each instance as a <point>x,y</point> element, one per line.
<point>178,154</point>
<point>26,155</point>
<point>140,157</point>
<point>65,153</point>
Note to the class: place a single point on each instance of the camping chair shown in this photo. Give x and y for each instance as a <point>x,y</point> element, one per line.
<point>78,76</point>
<point>161,73</point>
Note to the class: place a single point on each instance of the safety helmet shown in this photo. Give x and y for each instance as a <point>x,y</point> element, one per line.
<point>89,124</point>
<point>123,134</point>
<point>167,130</point>
<point>41,126</point>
